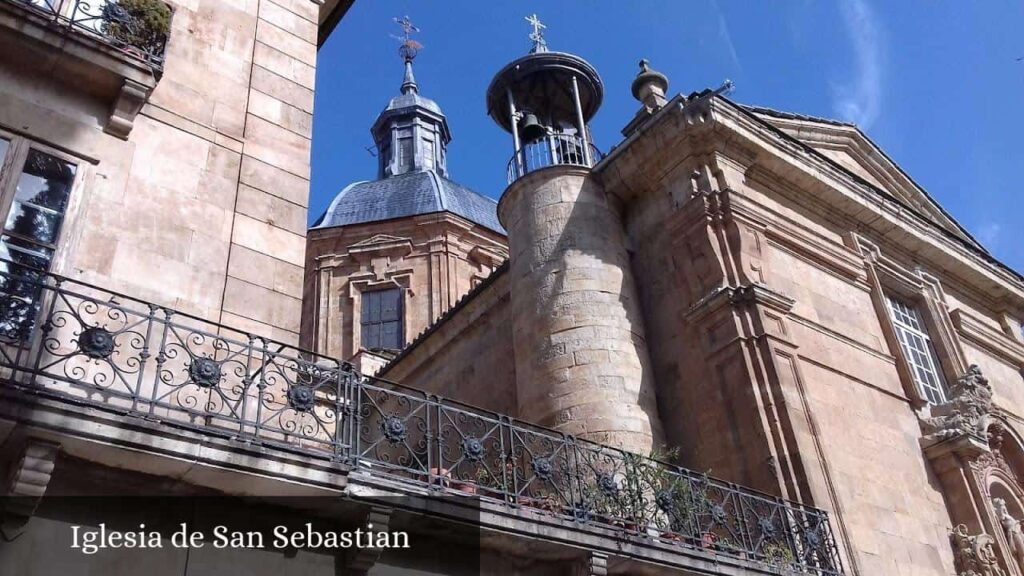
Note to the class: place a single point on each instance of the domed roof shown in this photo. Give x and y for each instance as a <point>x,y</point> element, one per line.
<point>409,194</point>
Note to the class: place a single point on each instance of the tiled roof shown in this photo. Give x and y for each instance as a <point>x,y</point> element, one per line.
<point>409,194</point>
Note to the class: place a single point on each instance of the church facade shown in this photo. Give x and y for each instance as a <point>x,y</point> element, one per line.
<point>743,341</point>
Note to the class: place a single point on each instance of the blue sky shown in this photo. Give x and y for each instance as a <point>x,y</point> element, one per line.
<point>936,84</point>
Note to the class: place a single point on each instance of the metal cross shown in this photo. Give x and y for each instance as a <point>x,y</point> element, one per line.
<point>409,47</point>
<point>537,36</point>
<point>407,27</point>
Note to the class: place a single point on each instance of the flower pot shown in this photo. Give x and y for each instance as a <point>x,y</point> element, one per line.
<point>464,488</point>
<point>443,476</point>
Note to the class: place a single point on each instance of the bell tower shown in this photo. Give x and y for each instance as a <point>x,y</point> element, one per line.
<point>582,364</point>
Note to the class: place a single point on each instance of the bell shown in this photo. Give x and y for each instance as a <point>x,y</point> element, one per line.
<point>531,129</point>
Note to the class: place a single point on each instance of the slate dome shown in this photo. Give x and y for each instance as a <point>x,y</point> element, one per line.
<point>412,136</point>
<point>409,194</point>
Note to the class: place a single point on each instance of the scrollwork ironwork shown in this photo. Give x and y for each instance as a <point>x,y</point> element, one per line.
<point>116,353</point>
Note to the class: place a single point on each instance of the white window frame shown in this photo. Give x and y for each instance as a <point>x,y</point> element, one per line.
<point>918,350</point>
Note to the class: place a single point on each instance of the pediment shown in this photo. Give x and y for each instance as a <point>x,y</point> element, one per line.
<point>380,244</point>
<point>848,147</point>
<point>380,239</point>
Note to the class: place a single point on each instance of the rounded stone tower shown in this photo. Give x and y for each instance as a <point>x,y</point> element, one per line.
<point>582,364</point>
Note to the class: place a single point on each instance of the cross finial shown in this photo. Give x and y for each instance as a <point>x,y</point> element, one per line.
<point>409,47</point>
<point>539,45</point>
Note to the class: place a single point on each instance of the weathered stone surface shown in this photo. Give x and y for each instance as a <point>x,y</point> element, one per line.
<point>217,161</point>
<point>575,310</point>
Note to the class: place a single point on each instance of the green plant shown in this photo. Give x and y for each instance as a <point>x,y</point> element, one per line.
<point>143,24</point>
<point>776,554</point>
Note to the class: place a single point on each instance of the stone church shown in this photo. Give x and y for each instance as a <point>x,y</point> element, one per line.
<point>736,341</point>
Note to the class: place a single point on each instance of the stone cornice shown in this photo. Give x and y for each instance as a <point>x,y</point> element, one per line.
<point>989,339</point>
<point>749,294</point>
<point>882,170</point>
<point>827,186</point>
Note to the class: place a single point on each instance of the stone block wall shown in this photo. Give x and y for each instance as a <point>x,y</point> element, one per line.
<point>582,364</point>
<point>468,357</point>
<point>203,207</point>
<point>434,258</point>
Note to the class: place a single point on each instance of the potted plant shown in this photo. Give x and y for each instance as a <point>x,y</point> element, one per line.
<point>778,555</point>
<point>140,25</point>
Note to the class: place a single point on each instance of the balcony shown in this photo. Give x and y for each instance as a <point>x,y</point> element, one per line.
<point>112,50</point>
<point>121,26</point>
<point>552,150</point>
<point>72,344</point>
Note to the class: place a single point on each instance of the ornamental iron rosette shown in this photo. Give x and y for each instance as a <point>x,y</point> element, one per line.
<point>394,429</point>
<point>718,515</point>
<point>301,398</point>
<point>473,449</point>
<point>606,482</point>
<point>205,372</point>
<point>666,500</point>
<point>766,527</point>
<point>542,468</point>
<point>96,342</point>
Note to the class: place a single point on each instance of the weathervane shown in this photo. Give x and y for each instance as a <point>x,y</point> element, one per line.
<point>539,45</point>
<point>409,48</point>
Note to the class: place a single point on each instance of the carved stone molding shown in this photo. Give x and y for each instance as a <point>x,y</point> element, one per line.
<point>975,555</point>
<point>993,459</point>
<point>745,295</point>
<point>360,560</point>
<point>964,419</point>
<point>126,107</point>
<point>28,481</point>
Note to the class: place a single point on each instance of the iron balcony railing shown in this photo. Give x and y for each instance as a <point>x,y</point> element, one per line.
<point>67,340</point>
<point>137,28</point>
<point>552,150</point>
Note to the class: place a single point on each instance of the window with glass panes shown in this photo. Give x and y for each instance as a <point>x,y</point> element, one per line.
<point>35,186</point>
<point>918,349</point>
<point>381,319</point>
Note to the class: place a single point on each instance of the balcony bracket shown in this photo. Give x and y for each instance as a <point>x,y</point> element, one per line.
<point>360,560</point>
<point>29,479</point>
<point>126,107</point>
<point>595,564</point>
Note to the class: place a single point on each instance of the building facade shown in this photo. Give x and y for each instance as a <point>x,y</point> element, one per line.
<point>742,342</point>
<point>774,299</point>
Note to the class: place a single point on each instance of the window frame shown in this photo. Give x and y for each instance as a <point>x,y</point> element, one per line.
<point>915,287</point>
<point>364,296</point>
<point>17,154</point>
<point>11,168</point>
<point>926,360</point>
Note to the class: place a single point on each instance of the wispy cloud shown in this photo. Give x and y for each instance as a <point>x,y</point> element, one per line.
<point>725,36</point>
<point>859,99</point>
<point>988,234</point>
